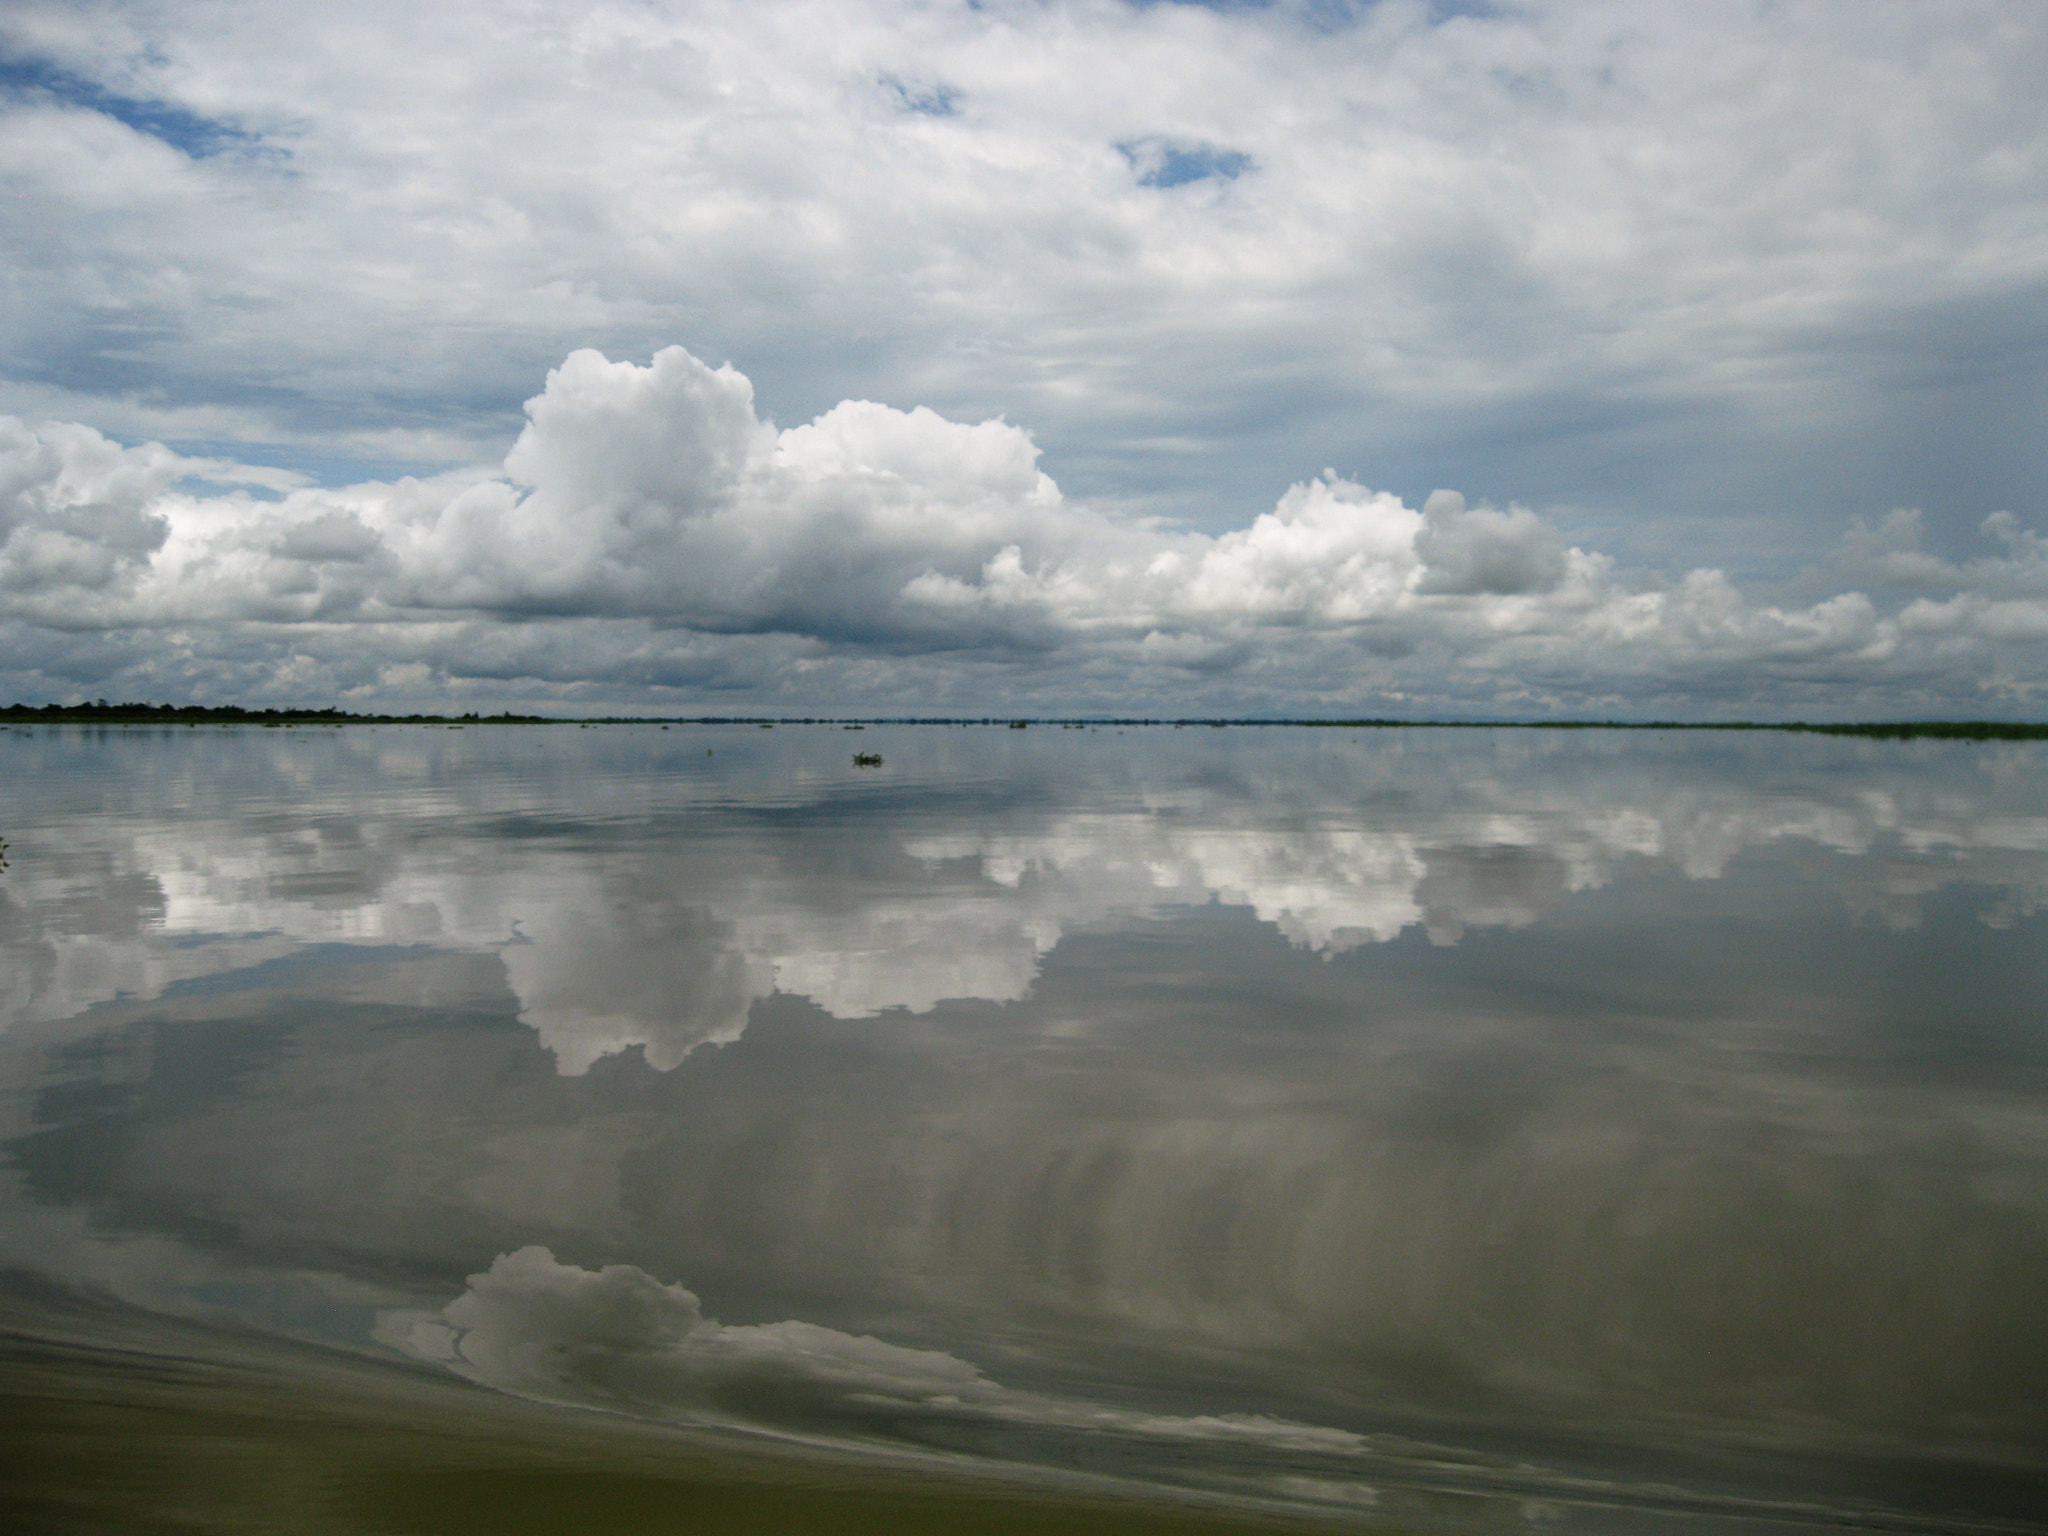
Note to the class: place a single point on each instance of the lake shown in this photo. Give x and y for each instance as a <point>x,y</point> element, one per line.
<point>409,1128</point>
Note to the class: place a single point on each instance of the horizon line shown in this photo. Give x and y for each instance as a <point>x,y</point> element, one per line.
<point>130,713</point>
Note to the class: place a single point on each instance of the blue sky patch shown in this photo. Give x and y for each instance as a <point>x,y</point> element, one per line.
<point>1165,163</point>
<point>187,132</point>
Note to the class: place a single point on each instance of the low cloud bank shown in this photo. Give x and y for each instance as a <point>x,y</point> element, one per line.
<point>619,1338</point>
<point>651,537</point>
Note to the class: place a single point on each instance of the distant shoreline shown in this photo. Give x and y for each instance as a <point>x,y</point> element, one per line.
<point>101,713</point>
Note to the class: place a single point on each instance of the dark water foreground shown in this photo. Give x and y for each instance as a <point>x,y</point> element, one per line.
<point>410,1129</point>
<point>132,1425</point>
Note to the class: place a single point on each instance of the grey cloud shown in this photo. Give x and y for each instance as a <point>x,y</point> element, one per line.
<point>1890,551</point>
<point>329,536</point>
<point>1483,551</point>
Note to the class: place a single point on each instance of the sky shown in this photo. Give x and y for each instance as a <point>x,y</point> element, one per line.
<point>1305,358</point>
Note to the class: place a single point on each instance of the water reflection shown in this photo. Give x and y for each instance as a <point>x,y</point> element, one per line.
<point>653,904</point>
<point>1638,1110</point>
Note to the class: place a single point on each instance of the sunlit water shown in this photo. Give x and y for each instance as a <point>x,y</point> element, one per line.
<point>1437,1128</point>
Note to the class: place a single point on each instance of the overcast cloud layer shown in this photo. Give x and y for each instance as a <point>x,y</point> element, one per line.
<point>1725,320</point>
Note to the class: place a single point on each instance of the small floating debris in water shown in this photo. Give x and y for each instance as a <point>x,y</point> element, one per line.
<point>867,759</point>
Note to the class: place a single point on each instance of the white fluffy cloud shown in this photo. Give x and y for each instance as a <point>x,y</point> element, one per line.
<point>650,529</point>
<point>76,512</point>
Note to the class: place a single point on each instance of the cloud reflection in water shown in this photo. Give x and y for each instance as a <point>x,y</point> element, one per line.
<point>1658,1093</point>
<point>658,915</point>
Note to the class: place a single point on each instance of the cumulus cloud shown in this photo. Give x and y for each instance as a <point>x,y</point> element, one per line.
<point>650,529</point>
<point>77,513</point>
<point>619,1338</point>
<point>658,492</point>
<point>1482,551</point>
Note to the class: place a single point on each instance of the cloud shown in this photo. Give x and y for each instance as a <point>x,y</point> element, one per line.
<point>650,530</point>
<point>1540,252</point>
<point>77,512</point>
<point>1482,551</point>
<point>656,491</point>
<point>619,1338</point>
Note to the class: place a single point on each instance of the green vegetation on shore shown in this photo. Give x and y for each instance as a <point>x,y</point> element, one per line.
<point>100,712</point>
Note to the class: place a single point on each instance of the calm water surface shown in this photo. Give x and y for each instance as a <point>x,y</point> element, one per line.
<point>1442,1130</point>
